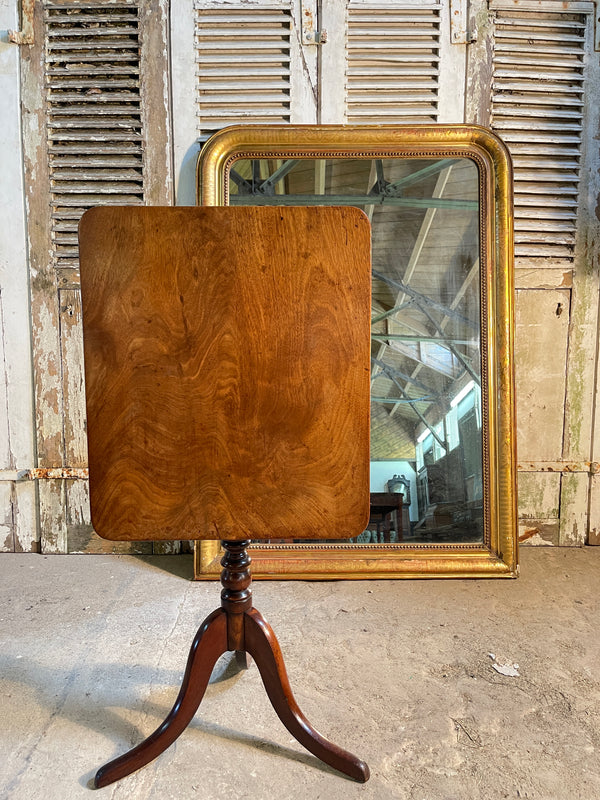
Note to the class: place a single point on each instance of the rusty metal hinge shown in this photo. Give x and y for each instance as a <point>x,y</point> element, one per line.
<point>45,473</point>
<point>310,32</point>
<point>25,35</point>
<point>460,28</point>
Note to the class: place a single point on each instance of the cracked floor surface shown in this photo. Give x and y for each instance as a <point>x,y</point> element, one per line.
<point>402,673</point>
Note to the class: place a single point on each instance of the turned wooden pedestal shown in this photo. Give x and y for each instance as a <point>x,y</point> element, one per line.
<point>236,626</point>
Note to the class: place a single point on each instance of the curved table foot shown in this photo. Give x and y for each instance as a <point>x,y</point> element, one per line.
<point>263,646</point>
<point>208,645</point>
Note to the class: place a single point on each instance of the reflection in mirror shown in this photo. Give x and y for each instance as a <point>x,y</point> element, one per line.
<point>427,470</point>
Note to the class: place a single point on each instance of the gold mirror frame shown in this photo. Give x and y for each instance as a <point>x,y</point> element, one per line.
<point>497,556</point>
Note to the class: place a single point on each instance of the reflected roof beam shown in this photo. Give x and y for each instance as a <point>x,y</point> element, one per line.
<point>456,353</point>
<point>425,302</point>
<point>426,172</point>
<point>350,200</point>
<point>407,337</point>
<point>395,374</point>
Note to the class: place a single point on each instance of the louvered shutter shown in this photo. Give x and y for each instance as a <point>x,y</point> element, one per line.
<point>393,63</point>
<point>247,65</point>
<point>95,132</point>
<point>538,109</point>
<point>94,123</point>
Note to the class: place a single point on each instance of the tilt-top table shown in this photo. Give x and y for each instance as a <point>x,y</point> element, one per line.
<point>227,384</point>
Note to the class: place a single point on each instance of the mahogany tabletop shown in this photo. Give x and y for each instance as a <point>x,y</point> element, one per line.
<point>227,371</point>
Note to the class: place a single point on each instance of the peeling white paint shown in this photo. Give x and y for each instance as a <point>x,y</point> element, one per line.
<point>16,395</point>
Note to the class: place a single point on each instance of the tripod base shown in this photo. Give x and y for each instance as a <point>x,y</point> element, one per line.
<point>236,626</point>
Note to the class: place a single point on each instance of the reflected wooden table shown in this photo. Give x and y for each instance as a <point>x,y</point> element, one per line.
<point>382,506</point>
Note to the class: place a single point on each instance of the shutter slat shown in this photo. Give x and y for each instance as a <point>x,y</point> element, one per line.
<point>402,35</point>
<point>375,15</point>
<point>395,57</point>
<point>77,58</point>
<point>223,86</point>
<point>385,96</point>
<point>71,34</point>
<point>525,187</point>
<point>542,84</point>
<point>533,99</point>
<point>86,17</point>
<point>100,174</point>
<point>105,113</point>
<point>515,134</point>
<point>241,113</point>
<point>544,250</point>
<point>392,111</point>
<point>365,71</point>
<point>540,49</point>
<point>535,111</point>
<point>85,201</point>
<point>542,149</point>
<point>95,136</point>
<point>220,57</point>
<point>362,47</point>
<point>98,187</point>
<point>94,99</point>
<point>253,70</point>
<point>56,51</point>
<point>544,163</point>
<point>546,205</point>
<point>93,149</point>
<point>541,124</point>
<point>391,84</point>
<point>205,47</point>
<point>85,70</point>
<point>532,22</point>
<point>540,176</point>
<point>549,36</point>
<point>542,227</point>
<point>529,66</point>
<point>276,29</point>
<point>525,237</point>
<point>236,18</point>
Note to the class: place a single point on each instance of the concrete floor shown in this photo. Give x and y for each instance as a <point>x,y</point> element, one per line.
<point>92,650</point>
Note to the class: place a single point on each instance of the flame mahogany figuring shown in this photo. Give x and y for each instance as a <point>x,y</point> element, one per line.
<point>227,365</point>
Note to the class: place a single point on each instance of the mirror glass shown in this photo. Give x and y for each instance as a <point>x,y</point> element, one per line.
<point>427,473</point>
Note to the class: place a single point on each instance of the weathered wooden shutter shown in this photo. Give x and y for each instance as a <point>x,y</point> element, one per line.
<point>235,62</point>
<point>542,103</point>
<point>94,116</point>
<point>393,63</point>
<point>243,56</point>
<point>537,108</point>
<point>96,132</point>
<point>249,65</point>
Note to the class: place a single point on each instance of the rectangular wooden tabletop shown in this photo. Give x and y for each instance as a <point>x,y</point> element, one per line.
<point>227,365</point>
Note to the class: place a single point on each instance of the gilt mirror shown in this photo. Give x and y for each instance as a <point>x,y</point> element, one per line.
<point>442,462</point>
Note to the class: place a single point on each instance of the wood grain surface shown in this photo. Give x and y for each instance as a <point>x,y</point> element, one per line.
<point>227,371</point>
